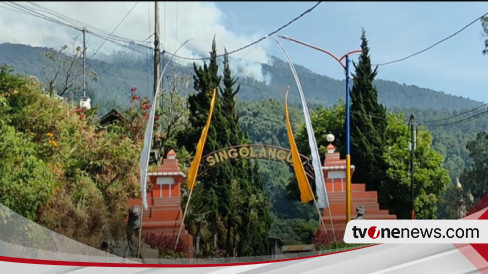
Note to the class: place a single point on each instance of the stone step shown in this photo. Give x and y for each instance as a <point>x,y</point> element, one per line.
<point>354,198</point>
<point>367,206</point>
<point>166,200</point>
<point>159,204</point>
<point>162,224</point>
<point>342,218</point>
<point>341,211</point>
<point>338,186</point>
<point>368,203</point>
<point>355,202</point>
<point>357,194</point>
<point>163,215</point>
<point>164,208</point>
<point>366,217</point>
<point>168,232</point>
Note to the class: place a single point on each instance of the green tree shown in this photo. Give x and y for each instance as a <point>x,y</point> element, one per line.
<point>430,178</point>
<point>26,181</point>
<point>475,176</point>
<point>56,169</point>
<point>264,121</point>
<point>325,121</point>
<point>368,124</point>
<point>229,190</point>
<point>228,104</point>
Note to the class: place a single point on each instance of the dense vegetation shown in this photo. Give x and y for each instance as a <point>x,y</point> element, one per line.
<point>74,177</point>
<point>57,168</point>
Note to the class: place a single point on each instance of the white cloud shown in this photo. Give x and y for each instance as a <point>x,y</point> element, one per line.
<point>179,21</point>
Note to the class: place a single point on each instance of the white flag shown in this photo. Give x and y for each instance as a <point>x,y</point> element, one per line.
<point>322,200</point>
<point>144,163</point>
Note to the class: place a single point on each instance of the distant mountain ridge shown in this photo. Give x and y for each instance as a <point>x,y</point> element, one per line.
<point>116,77</point>
<point>327,91</point>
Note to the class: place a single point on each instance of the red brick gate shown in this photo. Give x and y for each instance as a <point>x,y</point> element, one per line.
<point>164,215</point>
<point>334,170</point>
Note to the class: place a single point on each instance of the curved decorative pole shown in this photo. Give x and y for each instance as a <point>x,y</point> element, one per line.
<point>348,115</point>
<point>348,145</point>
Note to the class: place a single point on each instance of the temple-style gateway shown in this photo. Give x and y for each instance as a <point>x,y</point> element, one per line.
<point>164,217</point>
<point>366,202</point>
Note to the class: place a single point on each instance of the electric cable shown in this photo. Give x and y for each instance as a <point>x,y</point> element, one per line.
<point>257,41</point>
<point>435,44</point>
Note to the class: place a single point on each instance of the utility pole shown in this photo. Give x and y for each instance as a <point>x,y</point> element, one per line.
<point>157,52</point>
<point>156,80</point>
<point>84,63</point>
<point>157,70</point>
<point>85,101</point>
<point>413,145</point>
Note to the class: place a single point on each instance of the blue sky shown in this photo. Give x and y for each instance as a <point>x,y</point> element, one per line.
<point>394,30</point>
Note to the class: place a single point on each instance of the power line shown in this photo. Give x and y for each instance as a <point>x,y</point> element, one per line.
<point>118,25</point>
<point>435,44</point>
<point>29,11</point>
<point>57,18</point>
<point>80,25</point>
<point>149,37</point>
<point>462,120</point>
<point>112,38</point>
<point>429,123</point>
<point>452,117</point>
<point>71,22</point>
<point>119,43</point>
<point>475,116</point>
<point>257,41</point>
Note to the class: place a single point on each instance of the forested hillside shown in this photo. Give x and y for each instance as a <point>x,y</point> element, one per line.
<point>122,71</point>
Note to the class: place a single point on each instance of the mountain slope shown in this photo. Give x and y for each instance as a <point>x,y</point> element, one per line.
<point>115,78</point>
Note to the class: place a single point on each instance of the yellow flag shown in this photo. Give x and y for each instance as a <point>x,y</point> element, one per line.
<point>192,173</point>
<point>305,190</point>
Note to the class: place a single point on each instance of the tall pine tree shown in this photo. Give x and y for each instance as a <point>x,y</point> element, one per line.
<point>256,220</point>
<point>236,213</point>
<point>368,124</point>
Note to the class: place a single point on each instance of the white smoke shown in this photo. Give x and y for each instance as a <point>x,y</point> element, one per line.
<point>250,69</point>
<point>179,21</point>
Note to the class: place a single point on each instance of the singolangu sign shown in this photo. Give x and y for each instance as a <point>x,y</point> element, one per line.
<point>252,151</point>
